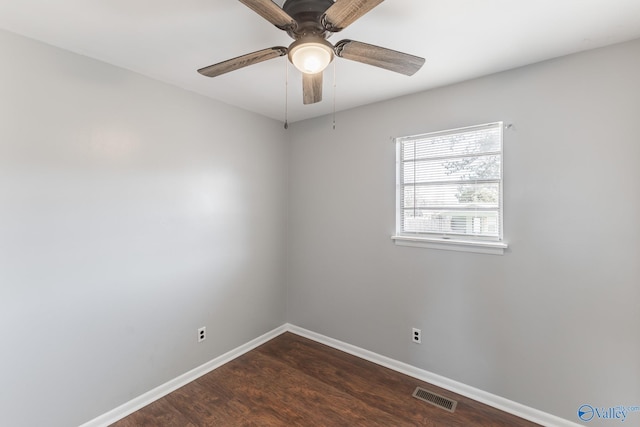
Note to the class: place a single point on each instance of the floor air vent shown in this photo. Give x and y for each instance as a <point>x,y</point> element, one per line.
<point>435,399</point>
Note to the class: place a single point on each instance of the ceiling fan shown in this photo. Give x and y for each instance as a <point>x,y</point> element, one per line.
<point>310,23</point>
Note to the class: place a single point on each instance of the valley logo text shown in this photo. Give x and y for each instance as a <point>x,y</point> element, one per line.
<point>587,412</point>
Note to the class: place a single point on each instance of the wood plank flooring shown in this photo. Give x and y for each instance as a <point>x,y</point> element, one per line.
<point>293,381</point>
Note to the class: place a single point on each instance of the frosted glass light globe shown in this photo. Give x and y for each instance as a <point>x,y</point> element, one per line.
<point>311,57</point>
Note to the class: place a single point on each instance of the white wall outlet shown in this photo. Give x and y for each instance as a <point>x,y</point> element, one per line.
<point>416,335</point>
<point>202,334</point>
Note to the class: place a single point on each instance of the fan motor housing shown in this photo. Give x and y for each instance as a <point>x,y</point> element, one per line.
<point>307,14</point>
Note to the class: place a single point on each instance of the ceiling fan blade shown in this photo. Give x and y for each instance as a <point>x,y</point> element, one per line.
<point>344,12</point>
<point>271,12</point>
<point>242,61</point>
<point>377,56</point>
<point>311,88</point>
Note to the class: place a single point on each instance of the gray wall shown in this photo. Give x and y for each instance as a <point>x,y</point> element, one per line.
<point>554,323</point>
<point>131,213</point>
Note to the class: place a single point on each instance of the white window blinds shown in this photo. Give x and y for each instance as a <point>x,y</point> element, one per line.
<point>450,183</point>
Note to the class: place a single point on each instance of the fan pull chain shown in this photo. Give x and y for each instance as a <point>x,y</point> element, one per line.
<point>334,95</point>
<point>286,94</point>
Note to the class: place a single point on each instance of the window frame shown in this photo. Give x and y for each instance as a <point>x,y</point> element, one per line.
<point>464,243</point>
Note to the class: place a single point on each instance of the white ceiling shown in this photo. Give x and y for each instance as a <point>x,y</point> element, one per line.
<point>460,39</point>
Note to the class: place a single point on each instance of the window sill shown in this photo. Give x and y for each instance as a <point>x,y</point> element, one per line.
<point>481,247</point>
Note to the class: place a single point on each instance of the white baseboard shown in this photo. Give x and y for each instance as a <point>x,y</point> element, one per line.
<point>174,384</point>
<point>489,399</point>
<point>492,400</point>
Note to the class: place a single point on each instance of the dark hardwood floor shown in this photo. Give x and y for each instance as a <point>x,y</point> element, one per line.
<point>293,381</point>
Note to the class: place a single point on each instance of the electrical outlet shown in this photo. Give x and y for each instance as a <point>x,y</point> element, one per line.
<point>416,336</point>
<point>202,334</point>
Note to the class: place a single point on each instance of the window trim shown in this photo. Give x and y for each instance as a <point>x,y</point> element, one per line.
<point>478,244</point>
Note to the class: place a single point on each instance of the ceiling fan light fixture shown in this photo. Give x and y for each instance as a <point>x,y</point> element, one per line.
<point>311,56</point>
<point>310,23</point>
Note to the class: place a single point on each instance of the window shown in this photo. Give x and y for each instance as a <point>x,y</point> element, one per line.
<point>449,189</point>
